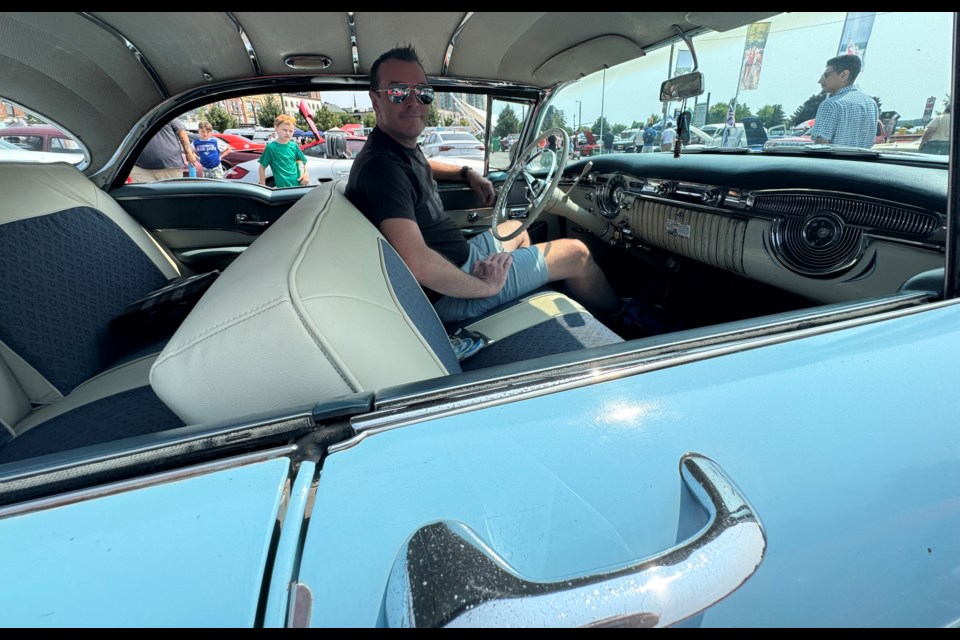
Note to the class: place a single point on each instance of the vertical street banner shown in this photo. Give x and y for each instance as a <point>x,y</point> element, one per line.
<point>753,55</point>
<point>928,110</point>
<point>856,34</point>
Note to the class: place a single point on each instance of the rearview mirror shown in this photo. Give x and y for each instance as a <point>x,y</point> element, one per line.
<point>686,86</point>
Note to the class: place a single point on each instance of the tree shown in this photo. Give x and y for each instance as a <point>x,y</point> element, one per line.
<point>220,120</point>
<point>301,122</point>
<point>554,119</point>
<point>448,121</point>
<point>808,110</point>
<point>771,115</point>
<point>618,128</point>
<point>507,123</point>
<point>326,119</point>
<point>370,120</point>
<point>433,118</point>
<point>718,112</point>
<point>601,125</point>
<point>268,111</point>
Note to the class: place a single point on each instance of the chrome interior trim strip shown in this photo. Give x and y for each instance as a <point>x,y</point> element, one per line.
<point>445,67</point>
<point>251,52</point>
<point>205,252</point>
<point>452,401</point>
<point>124,486</point>
<point>147,67</point>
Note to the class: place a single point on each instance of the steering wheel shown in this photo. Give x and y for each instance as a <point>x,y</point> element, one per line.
<point>537,190</point>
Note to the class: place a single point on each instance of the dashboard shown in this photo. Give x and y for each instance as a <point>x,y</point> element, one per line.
<point>828,229</point>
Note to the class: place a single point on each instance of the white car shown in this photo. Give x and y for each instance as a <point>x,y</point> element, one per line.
<point>320,166</point>
<point>452,144</point>
<point>10,152</point>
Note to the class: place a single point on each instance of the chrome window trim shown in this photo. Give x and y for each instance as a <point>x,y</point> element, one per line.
<point>124,486</point>
<point>417,407</point>
<point>251,52</point>
<point>137,54</point>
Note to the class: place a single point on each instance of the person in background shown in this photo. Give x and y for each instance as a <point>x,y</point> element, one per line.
<point>394,186</point>
<point>648,138</point>
<point>283,156</point>
<point>161,159</point>
<point>669,135</point>
<point>607,139</point>
<point>208,151</point>
<point>936,137</point>
<point>848,116</point>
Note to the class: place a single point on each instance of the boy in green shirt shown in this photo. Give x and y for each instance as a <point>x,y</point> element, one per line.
<point>284,156</point>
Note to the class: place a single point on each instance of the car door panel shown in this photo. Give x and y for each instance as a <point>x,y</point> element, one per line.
<point>186,549</point>
<point>573,482</point>
<point>205,223</point>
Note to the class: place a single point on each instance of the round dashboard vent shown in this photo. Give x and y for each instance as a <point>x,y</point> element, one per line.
<point>819,244</point>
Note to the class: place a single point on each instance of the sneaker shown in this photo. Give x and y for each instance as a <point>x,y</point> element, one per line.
<point>640,319</point>
<point>465,346</point>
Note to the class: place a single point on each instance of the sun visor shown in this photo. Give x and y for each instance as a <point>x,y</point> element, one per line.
<point>587,57</point>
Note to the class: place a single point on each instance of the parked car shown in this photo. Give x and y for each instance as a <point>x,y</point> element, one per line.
<point>589,144</point>
<point>241,143</point>
<point>45,138</point>
<point>10,152</point>
<point>453,144</point>
<point>507,141</point>
<point>321,166</point>
<point>228,406</point>
<point>625,143</point>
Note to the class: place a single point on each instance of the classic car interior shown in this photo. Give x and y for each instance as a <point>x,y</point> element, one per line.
<point>312,304</point>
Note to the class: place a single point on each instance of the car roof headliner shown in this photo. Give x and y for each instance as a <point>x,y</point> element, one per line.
<point>102,74</point>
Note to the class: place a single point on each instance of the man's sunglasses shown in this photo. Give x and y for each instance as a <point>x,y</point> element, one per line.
<point>398,92</point>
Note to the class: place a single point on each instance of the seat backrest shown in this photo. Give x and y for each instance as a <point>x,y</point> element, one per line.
<point>319,306</point>
<point>70,259</point>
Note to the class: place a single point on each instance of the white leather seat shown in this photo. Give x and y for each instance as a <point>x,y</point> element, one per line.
<point>319,306</point>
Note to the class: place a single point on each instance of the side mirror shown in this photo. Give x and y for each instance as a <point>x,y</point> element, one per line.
<point>687,85</point>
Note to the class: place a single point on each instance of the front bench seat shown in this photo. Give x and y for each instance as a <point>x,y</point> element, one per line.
<point>71,258</point>
<point>318,307</point>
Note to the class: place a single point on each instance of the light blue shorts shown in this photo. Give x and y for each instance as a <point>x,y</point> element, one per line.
<point>528,271</point>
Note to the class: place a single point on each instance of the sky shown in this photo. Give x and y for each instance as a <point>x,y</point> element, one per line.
<point>907,61</point>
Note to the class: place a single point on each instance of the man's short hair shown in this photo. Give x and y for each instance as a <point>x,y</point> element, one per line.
<point>847,62</point>
<point>405,53</point>
<point>283,118</point>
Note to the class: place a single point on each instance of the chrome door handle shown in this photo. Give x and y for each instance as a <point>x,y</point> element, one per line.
<point>445,575</point>
<point>243,218</point>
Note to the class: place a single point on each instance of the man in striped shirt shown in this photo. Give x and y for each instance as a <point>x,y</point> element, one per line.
<point>848,117</point>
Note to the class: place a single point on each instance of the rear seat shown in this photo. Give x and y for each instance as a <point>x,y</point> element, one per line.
<point>70,260</point>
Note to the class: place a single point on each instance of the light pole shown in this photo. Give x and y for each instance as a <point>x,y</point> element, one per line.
<point>579,115</point>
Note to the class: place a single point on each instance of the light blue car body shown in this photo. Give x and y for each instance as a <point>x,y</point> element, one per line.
<point>844,441</point>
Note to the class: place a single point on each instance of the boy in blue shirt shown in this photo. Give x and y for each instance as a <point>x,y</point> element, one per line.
<point>208,151</point>
<point>284,156</point>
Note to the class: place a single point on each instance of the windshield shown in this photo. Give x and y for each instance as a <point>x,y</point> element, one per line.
<point>869,81</point>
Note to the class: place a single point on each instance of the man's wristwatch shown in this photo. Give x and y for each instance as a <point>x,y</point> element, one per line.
<point>463,173</point>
